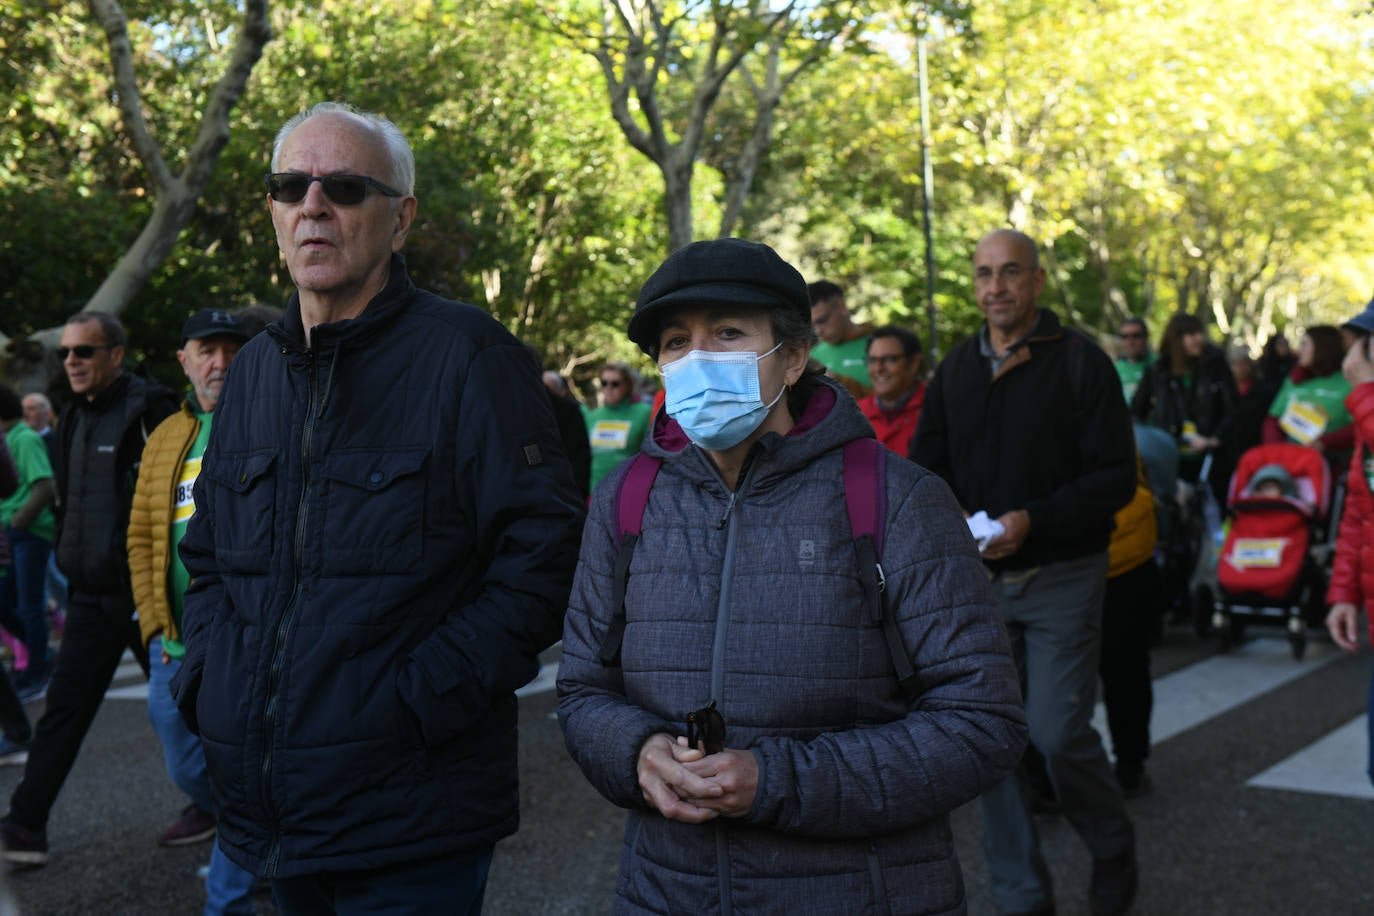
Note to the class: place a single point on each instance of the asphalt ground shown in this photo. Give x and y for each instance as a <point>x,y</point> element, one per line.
<point>1209,843</point>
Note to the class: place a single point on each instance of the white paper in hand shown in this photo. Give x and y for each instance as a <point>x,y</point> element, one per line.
<point>984,530</point>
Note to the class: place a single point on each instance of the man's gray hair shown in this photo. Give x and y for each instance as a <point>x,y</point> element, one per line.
<point>402,175</point>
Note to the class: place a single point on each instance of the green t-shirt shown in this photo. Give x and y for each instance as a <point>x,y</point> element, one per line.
<point>178,579</point>
<point>1311,409</point>
<point>1131,373</point>
<point>849,359</point>
<point>31,461</point>
<point>615,433</point>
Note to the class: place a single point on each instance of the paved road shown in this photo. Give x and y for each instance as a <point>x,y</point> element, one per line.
<point>1260,805</point>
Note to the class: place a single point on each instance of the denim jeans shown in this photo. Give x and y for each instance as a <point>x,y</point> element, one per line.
<point>228,887</point>
<point>1369,720</point>
<point>23,603</point>
<point>452,884</point>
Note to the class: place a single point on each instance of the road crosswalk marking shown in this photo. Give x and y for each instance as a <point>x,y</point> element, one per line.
<point>1220,683</point>
<point>1333,765</point>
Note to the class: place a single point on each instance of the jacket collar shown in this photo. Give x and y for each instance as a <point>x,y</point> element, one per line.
<point>384,308</point>
<point>1047,328</point>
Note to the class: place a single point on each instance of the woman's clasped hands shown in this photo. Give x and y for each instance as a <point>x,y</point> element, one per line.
<point>684,784</point>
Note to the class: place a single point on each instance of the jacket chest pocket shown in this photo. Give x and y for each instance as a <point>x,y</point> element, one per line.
<point>243,506</point>
<point>374,512</point>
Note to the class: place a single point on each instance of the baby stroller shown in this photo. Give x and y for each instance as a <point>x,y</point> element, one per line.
<point>1276,558</point>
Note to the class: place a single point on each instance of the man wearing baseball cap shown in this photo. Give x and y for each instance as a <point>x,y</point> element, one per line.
<point>162,507</point>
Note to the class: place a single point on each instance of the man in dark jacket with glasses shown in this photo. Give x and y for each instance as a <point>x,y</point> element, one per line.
<point>100,445</point>
<point>385,534</point>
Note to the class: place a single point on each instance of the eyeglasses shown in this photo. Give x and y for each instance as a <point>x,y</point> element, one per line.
<point>887,360</point>
<point>345,190</point>
<point>612,383</point>
<point>1131,335</point>
<point>706,729</point>
<point>81,351</point>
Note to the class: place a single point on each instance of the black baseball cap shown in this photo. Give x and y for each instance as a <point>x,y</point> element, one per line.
<point>212,323</point>
<point>719,272</point>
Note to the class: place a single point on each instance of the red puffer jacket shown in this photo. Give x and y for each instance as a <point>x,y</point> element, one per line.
<point>1352,575</point>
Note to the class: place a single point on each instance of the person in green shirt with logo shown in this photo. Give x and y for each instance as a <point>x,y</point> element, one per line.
<point>1134,354</point>
<point>1310,407</point>
<point>30,526</point>
<point>843,347</point>
<point>162,507</point>
<point>617,428</point>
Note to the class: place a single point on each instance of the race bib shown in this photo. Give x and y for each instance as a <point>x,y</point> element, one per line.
<point>610,434</point>
<point>1257,553</point>
<point>1304,422</point>
<point>185,505</point>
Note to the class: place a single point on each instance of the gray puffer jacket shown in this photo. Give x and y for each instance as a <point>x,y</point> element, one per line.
<point>753,599</point>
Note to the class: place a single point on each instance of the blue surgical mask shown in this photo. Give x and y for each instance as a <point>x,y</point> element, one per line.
<point>714,396</point>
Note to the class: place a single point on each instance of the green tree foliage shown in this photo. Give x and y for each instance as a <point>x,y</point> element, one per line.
<point>1167,153</point>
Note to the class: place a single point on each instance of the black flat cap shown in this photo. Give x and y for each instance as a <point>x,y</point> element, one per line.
<point>719,273</point>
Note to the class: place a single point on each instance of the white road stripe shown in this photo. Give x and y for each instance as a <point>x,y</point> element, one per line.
<point>1192,695</point>
<point>543,683</point>
<point>1335,765</point>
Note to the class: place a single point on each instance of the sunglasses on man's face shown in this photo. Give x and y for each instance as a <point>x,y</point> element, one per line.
<point>1131,335</point>
<point>612,383</point>
<point>80,351</point>
<point>345,190</point>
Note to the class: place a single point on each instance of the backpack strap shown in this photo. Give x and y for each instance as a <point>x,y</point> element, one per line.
<point>631,498</point>
<point>865,498</point>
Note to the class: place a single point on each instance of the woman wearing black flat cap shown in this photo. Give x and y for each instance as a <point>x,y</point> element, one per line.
<point>815,779</point>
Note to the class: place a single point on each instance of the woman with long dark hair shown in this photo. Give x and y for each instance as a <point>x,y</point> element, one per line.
<point>1310,407</point>
<point>1189,391</point>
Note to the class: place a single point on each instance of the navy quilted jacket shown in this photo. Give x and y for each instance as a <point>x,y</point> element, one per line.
<point>385,534</point>
<point>758,604</point>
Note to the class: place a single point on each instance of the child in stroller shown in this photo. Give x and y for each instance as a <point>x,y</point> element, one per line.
<point>1276,558</point>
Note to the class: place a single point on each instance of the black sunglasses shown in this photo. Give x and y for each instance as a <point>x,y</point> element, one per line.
<point>82,351</point>
<point>345,190</point>
<point>706,729</point>
<point>886,359</point>
<point>611,382</point>
<point>1131,335</point>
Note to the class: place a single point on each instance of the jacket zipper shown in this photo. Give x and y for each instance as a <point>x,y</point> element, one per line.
<point>283,633</point>
<point>727,577</point>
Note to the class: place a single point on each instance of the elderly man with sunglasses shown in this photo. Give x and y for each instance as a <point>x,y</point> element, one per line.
<point>385,533</point>
<point>100,445</point>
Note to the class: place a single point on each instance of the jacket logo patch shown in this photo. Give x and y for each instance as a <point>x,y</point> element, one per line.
<point>533,457</point>
<point>806,554</point>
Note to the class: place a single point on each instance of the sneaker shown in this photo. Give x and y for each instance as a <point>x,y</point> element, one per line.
<point>13,753</point>
<point>24,848</point>
<point>32,688</point>
<point>195,825</point>
<point>1114,883</point>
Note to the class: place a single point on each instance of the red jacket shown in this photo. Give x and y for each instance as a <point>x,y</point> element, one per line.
<point>1352,575</point>
<point>896,428</point>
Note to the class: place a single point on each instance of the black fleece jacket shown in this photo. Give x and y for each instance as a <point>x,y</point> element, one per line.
<point>1049,434</point>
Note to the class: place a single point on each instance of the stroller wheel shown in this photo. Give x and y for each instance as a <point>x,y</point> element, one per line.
<point>1203,606</point>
